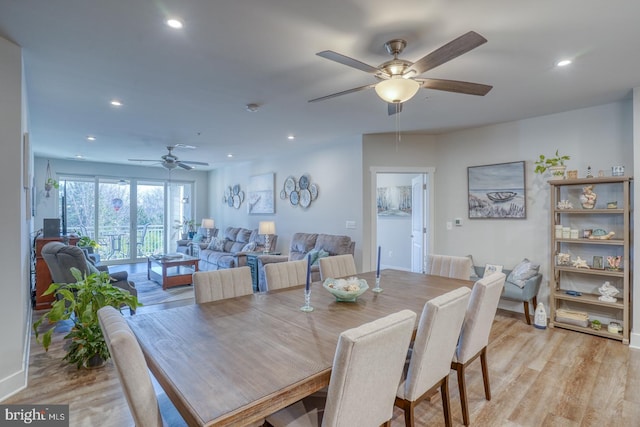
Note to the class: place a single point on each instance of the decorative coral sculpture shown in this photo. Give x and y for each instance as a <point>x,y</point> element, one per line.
<point>580,263</point>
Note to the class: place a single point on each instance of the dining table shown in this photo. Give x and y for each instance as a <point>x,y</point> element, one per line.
<point>235,361</point>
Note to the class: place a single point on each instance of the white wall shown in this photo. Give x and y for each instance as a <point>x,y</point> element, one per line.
<point>335,168</point>
<point>599,137</point>
<point>15,307</point>
<point>383,151</point>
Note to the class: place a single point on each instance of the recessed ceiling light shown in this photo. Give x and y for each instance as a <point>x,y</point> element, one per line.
<point>563,63</point>
<point>79,156</point>
<point>252,108</point>
<point>291,137</point>
<point>229,155</point>
<point>174,23</point>
<point>91,138</point>
<point>116,103</point>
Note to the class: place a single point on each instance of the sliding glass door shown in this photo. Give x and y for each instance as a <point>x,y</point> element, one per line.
<point>130,219</point>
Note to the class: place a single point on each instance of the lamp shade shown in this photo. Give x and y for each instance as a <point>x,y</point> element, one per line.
<point>397,89</point>
<point>208,223</point>
<point>267,227</point>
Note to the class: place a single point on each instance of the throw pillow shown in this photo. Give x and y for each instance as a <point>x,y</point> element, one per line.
<point>249,247</point>
<point>216,244</point>
<point>489,269</point>
<point>197,238</point>
<point>321,254</point>
<point>523,271</point>
<point>314,253</point>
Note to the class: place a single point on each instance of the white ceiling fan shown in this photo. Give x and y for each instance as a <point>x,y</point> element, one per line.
<point>170,161</point>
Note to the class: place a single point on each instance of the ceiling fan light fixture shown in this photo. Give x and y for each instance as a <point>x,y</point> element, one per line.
<point>397,89</point>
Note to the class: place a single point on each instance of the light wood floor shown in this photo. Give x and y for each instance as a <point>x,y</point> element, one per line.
<point>544,378</point>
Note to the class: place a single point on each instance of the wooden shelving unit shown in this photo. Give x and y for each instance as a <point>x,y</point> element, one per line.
<point>587,280</point>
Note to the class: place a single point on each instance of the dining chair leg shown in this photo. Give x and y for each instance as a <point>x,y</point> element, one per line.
<point>387,424</point>
<point>462,388</point>
<point>446,404</point>
<point>526,312</point>
<point>485,373</point>
<point>407,408</point>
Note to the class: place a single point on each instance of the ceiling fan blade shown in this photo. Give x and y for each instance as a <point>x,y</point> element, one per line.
<point>456,86</point>
<point>184,166</point>
<point>449,51</point>
<point>349,62</point>
<point>394,108</point>
<point>142,160</point>
<point>194,163</point>
<point>344,92</point>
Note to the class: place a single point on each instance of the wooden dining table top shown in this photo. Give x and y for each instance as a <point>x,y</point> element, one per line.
<point>236,361</point>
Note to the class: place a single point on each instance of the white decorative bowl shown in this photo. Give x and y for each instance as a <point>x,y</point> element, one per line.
<point>341,288</point>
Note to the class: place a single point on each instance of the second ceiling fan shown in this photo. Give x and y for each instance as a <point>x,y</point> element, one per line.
<point>398,78</point>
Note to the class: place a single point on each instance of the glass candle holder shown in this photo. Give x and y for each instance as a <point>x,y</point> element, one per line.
<point>377,289</point>
<point>307,301</point>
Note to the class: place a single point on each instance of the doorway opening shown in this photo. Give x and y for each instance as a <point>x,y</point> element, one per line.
<point>403,217</point>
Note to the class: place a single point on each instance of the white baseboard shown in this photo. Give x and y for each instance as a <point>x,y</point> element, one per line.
<point>634,340</point>
<point>17,381</point>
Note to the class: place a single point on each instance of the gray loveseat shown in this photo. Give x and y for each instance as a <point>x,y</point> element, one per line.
<point>226,251</point>
<point>301,245</point>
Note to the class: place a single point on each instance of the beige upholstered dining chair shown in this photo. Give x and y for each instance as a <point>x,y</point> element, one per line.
<point>474,336</point>
<point>285,274</point>
<point>366,371</point>
<point>430,362</point>
<point>221,284</point>
<point>337,266</point>
<point>133,373</point>
<point>457,267</point>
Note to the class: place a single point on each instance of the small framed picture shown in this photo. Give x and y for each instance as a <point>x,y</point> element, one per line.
<point>598,263</point>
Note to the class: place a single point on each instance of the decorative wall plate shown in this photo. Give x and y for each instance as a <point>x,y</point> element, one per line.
<point>236,201</point>
<point>313,188</point>
<point>236,189</point>
<point>290,185</point>
<point>304,182</point>
<point>294,197</point>
<point>230,201</point>
<point>283,194</point>
<point>305,198</point>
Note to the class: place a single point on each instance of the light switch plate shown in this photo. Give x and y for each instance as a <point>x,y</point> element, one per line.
<point>350,225</point>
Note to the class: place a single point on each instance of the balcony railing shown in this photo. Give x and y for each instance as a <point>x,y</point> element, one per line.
<point>115,242</point>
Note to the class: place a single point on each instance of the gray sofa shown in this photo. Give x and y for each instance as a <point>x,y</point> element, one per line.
<point>231,254</point>
<point>185,245</point>
<point>301,245</point>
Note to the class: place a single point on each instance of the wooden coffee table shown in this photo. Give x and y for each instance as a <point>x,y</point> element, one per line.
<point>172,269</point>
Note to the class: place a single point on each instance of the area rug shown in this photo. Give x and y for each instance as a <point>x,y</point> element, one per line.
<point>150,292</point>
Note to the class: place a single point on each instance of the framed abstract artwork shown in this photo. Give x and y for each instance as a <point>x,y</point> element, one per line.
<point>261,194</point>
<point>497,191</point>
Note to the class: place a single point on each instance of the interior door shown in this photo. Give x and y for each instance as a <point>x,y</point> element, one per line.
<point>418,224</point>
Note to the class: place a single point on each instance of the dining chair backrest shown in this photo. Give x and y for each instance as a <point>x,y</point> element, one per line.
<point>457,267</point>
<point>435,342</point>
<point>280,275</point>
<point>131,367</point>
<point>337,266</point>
<point>481,312</point>
<point>367,367</point>
<point>222,284</point>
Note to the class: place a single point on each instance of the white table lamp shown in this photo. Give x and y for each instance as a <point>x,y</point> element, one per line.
<point>267,228</point>
<point>208,223</point>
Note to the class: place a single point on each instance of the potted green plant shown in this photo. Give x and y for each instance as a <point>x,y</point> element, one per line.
<point>50,184</point>
<point>554,164</point>
<point>80,302</point>
<point>87,242</point>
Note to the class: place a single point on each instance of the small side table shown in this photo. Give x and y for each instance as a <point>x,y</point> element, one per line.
<point>252,262</point>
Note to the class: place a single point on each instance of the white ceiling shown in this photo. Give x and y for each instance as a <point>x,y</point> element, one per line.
<point>191,86</point>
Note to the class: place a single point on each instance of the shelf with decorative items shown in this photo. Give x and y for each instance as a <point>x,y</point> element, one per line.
<point>590,256</point>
